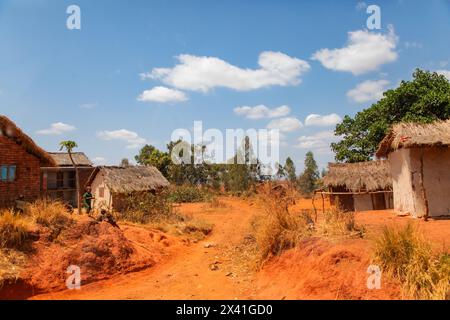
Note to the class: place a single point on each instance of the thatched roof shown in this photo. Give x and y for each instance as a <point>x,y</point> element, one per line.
<point>130,179</point>
<point>62,159</point>
<point>14,133</point>
<point>360,176</point>
<point>410,135</point>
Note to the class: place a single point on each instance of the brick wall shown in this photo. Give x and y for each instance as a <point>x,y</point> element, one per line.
<point>27,182</point>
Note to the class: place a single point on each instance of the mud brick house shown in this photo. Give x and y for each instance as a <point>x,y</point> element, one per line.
<point>59,181</point>
<point>359,186</point>
<point>20,163</point>
<point>111,185</point>
<point>419,163</point>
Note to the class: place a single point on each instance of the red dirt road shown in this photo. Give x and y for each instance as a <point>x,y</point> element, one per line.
<point>187,275</point>
<point>317,270</point>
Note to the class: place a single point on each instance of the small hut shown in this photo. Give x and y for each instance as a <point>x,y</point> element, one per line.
<point>419,158</point>
<point>359,186</point>
<point>111,185</point>
<point>20,162</point>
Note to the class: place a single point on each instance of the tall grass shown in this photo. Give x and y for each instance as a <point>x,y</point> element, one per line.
<point>49,213</point>
<point>14,230</point>
<point>337,223</point>
<point>406,256</point>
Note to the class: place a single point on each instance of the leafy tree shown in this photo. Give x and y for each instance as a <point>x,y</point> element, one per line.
<point>149,155</point>
<point>424,99</point>
<point>280,171</point>
<point>69,146</point>
<point>289,168</point>
<point>309,177</point>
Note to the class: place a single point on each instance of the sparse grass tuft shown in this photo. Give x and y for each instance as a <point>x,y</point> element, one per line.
<point>14,230</point>
<point>405,255</point>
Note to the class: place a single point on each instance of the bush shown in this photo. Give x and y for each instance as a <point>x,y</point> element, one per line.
<point>406,256</point>
<point>147,207</point>
<point>51,214</point>
<point>14,230</point>
<point>188,193</point>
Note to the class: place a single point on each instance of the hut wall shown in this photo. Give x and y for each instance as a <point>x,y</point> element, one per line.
<point>102,194</point>
<point>343,201</point>
<point>405,172</point>
<point>363,202</point>
<point>437,180</point>
<point>27,176</point>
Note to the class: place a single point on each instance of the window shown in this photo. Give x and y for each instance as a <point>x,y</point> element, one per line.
<point>101,192</point>
<point>7,173</point>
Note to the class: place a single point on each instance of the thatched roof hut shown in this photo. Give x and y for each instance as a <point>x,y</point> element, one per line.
<point>10,130</point>
<point>62,159</point>
<point>361,176</point>
<point>410,135</point>
<point>122,180</point>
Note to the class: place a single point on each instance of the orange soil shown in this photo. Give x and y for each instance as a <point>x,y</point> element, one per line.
<point>318,269</point>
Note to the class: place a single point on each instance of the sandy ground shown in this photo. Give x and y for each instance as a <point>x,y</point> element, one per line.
<point>203,270</point>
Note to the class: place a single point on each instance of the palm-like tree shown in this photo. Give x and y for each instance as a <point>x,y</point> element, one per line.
<point>69,146</point>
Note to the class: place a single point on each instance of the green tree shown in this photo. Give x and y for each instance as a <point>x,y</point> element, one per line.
<point>424,99</point>
<point>69,146</point>
<point>149,155</point>
<point>289,168</point>
<point>309,177</point>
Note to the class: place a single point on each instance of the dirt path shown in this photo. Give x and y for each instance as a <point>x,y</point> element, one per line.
<point>188,274</point>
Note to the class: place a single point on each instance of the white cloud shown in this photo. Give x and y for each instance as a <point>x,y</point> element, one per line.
<point>285,124</point>
<point>132,139</point>
<point>366,51</point>
<point>322,121</point>
<point>163,95</point>
<point>445,73</point>
<point>89,105</point>
<point>369,90</point>
<point>200,73</point>
<point>57,128</point>
<point>261,111</point>
<point>319,142</point>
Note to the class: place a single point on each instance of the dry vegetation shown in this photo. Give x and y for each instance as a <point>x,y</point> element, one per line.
<point>278,229</point>
<point>157,211</point>
<point>406,256</point>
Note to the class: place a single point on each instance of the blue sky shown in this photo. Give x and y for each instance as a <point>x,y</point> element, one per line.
<point>103,85</point>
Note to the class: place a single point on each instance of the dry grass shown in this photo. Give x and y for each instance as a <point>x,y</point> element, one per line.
<point>338,224</point>
<point>195,228</point>
<point>215,203</point>
<point>279,229</point>
<point>14,230</point>
<point>406,256</point>
<point>11,264</point>
<point>50,214</point>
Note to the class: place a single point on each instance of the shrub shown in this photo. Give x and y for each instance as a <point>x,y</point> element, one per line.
<point>14,230</point>
<point>147,207</point>
<point>406,256</point>
<point>188,193</point>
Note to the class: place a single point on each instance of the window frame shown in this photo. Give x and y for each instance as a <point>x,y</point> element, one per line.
<point>9,176</point>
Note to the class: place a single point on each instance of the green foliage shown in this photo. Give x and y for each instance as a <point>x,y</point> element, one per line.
<point>188,193</point>
<point>424,99</point>
<point>289,168</point>
<point>149,155</point>
<point>147,207</point>
<point>308,180</point>
<point>67,145</point>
